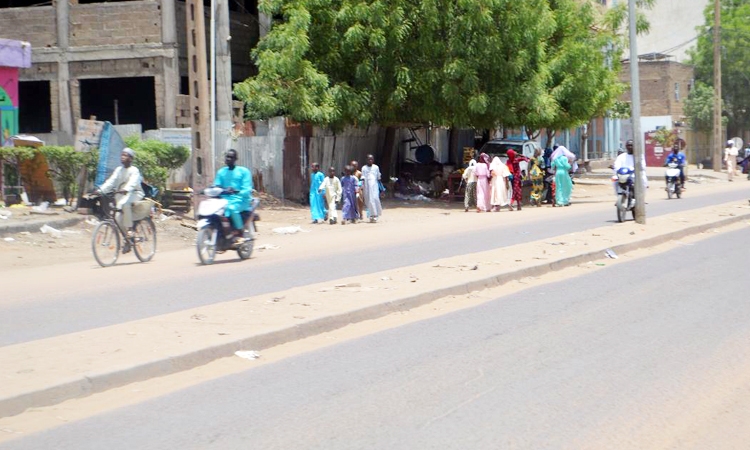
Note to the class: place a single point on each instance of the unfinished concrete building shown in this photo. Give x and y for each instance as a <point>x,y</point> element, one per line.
<point>121,61</point>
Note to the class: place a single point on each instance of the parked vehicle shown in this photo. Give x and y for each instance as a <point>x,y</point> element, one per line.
<point>109,238</point>
<point>500,147</point>
<point>212,225</point>
<point>625,182</point>
<point>674,187</point>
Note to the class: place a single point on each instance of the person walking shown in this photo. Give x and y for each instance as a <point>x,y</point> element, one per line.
<point>563,183</point>
<point>482,172</point>
<point>470,194</point>
<point>549,177</point>
<point>499,184</point>
<point>356,173</point>
<point>514,161</point>
<point>730,157</point>
<point>331,190</point>
<point>371,189</point>
<point>349,189</point>
<point>536,173</point>
<point>317,210</point>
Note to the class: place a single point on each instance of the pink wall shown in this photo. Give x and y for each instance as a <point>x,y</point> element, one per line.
<point>9,83</point>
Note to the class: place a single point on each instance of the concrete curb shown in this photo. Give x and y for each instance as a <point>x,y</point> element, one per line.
<point>33,226</point>
<point>99,382</point>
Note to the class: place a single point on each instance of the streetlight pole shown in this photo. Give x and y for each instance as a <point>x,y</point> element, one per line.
<point>635,107</point>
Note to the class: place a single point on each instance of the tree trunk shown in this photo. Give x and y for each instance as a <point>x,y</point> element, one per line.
<point>550,135</point>
<point>387,153</point>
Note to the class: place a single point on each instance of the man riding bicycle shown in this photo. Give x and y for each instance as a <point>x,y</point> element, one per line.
<point>125,182</point>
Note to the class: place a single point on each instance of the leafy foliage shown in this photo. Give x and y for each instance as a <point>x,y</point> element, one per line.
<point>735,81</point>
<point>155,159</point>
<point>65,164</point>
<point>699,107</point>
<point>540,63</point>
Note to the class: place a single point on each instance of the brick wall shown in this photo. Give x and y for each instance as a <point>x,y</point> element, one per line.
<point>32,24</point>
<point>133,22</point>
<point>116,68</point>
<point>658,79</point>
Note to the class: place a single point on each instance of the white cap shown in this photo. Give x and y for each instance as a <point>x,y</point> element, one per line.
<point>730,142</point>
<point>129,151</point>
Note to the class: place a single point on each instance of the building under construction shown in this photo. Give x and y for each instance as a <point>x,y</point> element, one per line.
<point>121,61</point>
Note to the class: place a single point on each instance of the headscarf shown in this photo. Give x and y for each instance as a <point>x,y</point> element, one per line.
<point>484,158</point>
<point>472,163</point>
<point>561,150</point>
<point>496,164</point>
<point>511,155</point>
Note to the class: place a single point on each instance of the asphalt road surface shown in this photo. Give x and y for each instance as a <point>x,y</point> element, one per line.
<point>652,353</point>
<point>88,298</point>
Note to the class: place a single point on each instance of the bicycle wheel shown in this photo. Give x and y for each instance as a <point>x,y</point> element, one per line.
<point>144,240</point>
<point>105,243</point>
<point>206,244</point>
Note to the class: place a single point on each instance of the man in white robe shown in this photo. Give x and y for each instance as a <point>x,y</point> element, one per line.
<point>125,181</point>
<point>371,189</point>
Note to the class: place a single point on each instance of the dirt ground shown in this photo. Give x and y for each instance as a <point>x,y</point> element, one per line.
<point>401,221</point>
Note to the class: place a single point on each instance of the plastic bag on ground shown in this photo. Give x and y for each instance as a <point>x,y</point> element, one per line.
<point>54,232</point>
<point>289,230</point>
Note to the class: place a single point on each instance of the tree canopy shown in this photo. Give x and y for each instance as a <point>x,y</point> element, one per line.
<point>464,63</point>
<point>735,81</point>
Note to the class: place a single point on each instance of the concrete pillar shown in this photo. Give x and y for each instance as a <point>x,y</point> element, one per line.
<point>169,64</point>
<point>223,122</point>
<point>62,10</point>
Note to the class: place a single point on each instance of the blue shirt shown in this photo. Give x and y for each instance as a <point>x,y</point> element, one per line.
<point>679,158</point>
<point>241,180</point>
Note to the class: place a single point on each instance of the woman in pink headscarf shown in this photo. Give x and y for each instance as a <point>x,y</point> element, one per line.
<point>514,161</point>
<point>482,172</point>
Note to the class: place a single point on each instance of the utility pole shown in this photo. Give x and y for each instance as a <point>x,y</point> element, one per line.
<point>718,138</point>
<point>635,107</point>
<point>199,106</point>
<point>222,73</point>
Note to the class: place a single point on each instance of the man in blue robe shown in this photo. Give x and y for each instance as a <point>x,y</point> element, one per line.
<point>317,202</point>
<point>238,182</point>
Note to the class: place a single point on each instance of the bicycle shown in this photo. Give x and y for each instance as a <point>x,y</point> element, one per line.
<point>106,238</point>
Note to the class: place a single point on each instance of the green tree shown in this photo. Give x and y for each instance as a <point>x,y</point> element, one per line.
<point>735,81</point>
<point>699,107</point>
<point>355,62</point>
<point>155,159</point>
<point>65,164</point>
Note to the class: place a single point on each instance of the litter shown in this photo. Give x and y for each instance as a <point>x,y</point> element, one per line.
<point>267,247</point>
<point>9,239</point>
<point>5,214</point>
<point>44,206</point>
<point>419,197</point>
<point>92,221</point>
<point>346,285</point>
<point>54,232</point>
<point>385,278</point>
<point>609,253</point>
<point>289,230</point>
<point>247,354</point>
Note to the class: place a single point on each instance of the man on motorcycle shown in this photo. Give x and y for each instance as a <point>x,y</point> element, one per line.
<point>628,160</point>
<point>125,181</point>
<point>679,158</point>
<point>238,184</point>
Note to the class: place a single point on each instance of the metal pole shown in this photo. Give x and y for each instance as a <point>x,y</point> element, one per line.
<point>718,138</point>
<point>635,106</point>
<point>213,86</point>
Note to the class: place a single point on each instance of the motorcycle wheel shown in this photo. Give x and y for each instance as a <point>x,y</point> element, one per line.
<point>246,249</point>
<point>622,207</point>
<point>678,191</point>
<point>670,190</point>
<point>205,243</point>
<point>144,241</point>
<point>105,243</point>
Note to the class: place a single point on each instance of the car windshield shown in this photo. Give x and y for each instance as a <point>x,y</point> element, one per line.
<point>501,149</point>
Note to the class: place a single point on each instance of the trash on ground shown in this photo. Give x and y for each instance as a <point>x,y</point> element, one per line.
<point>385,278</point>
<point>9,239</point>
<point>611,254</point>
<point>413,278</point>
<point>267,247</point>
<point>5,214</point>
<point>600,264</point>
<point>419,197</point>
<point>44,206</point>
<point>247,354</point>
<point>289,230</point>
<point>92,221</point>
<point>54,232</point>
<point>347,285</point>
<point>198,316</point>
<point>163,217</point>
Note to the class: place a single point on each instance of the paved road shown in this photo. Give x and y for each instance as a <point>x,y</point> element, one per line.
<point>83,298</point>
<point>651,355</point>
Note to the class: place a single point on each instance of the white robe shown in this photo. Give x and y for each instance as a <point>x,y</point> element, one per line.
<point>371,190</point>
<point>332,188</point>
<point>128,180</point>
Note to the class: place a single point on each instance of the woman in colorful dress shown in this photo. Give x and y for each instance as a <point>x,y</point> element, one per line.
<point>514,161</point>
<point>536,173</point>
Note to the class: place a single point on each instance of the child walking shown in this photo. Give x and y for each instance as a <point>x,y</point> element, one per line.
<point>350,189</point>
<point>331,186</point>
